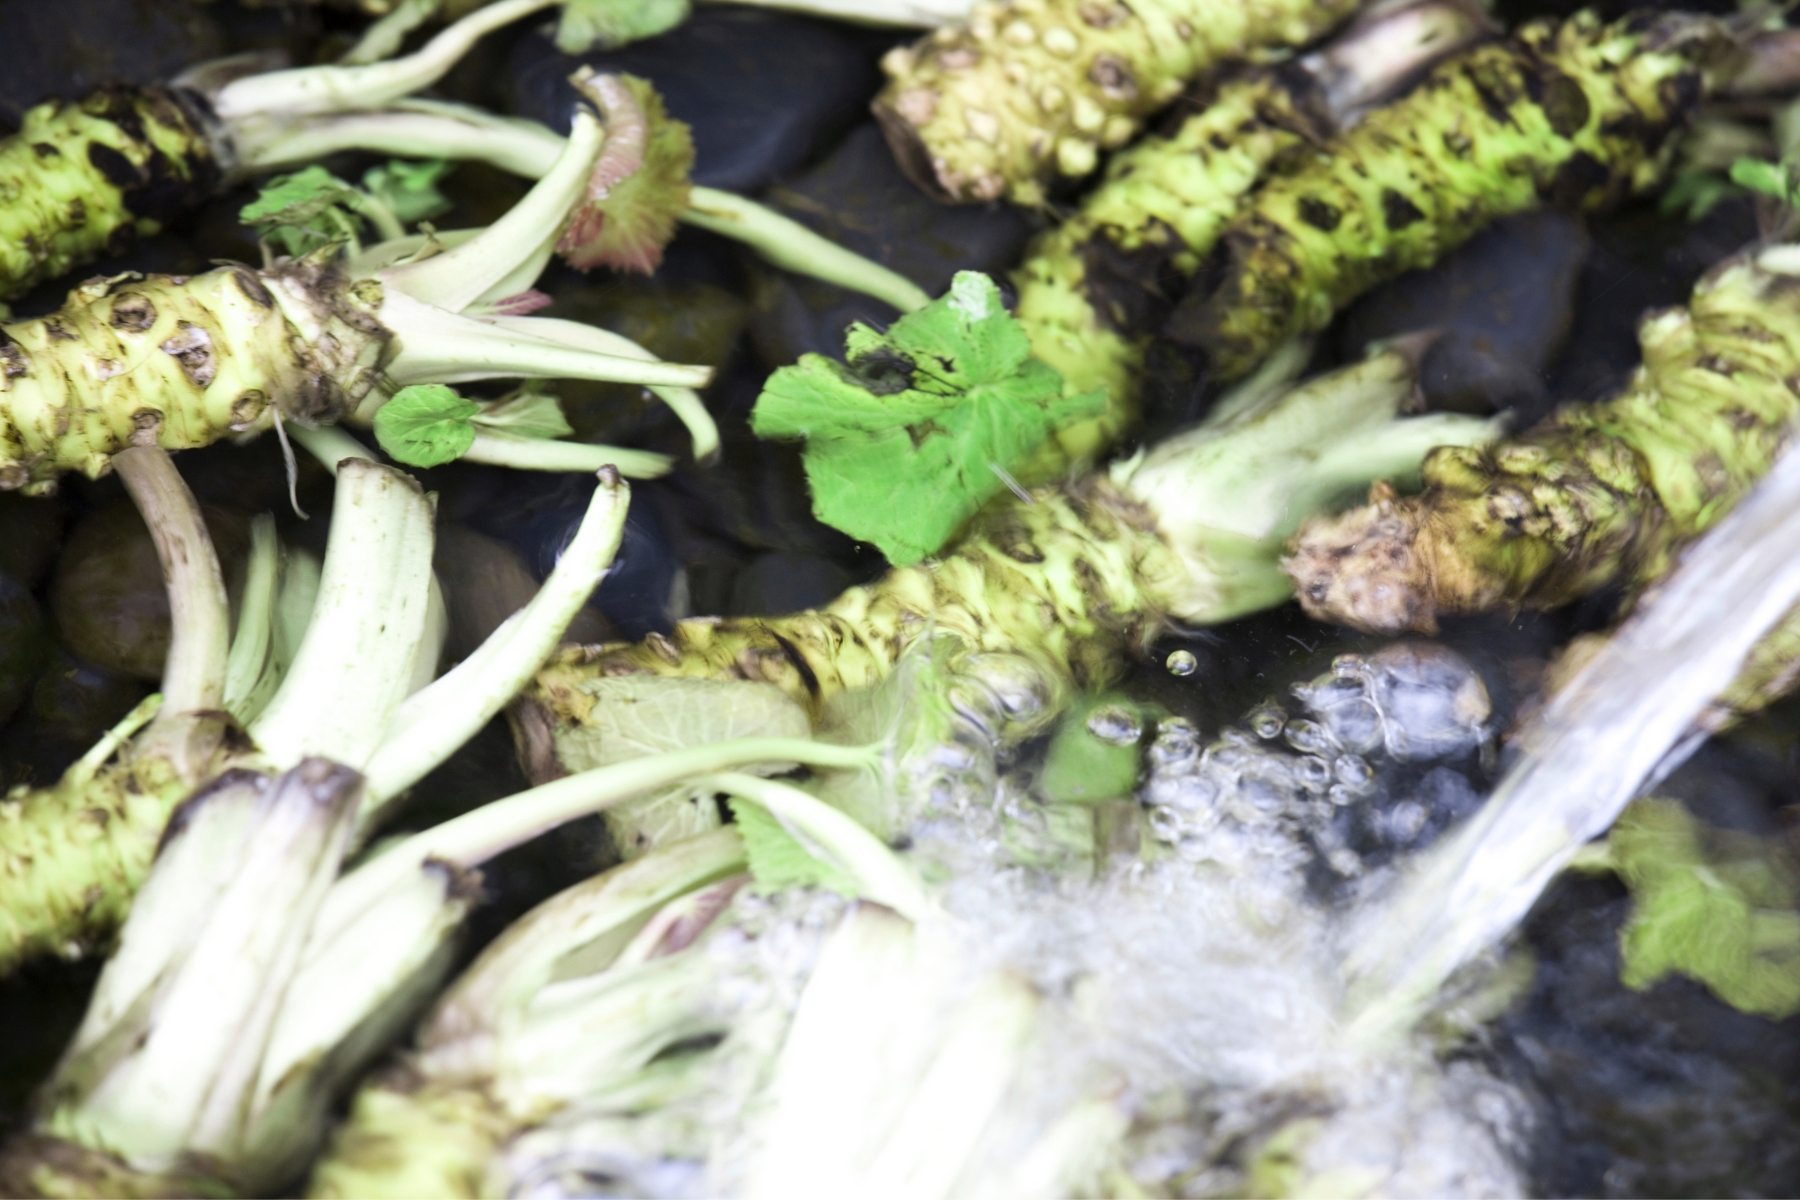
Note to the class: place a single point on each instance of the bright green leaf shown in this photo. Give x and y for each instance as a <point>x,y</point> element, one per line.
<point>601,24</point>
<point>305,210</point>
<point>779,860</point>
<point>924,423</point>
<point>1715,905</point>
<point>426,425</point>
<point>1771,179</point>
<point>409,189</point>
<point>1094,754</point>
<point>526,413</point>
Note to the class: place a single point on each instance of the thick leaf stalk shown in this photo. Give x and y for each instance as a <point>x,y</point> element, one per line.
<point>79,180</point>
<point>1595,496</point>
<point>180,362</point>
<point>1028,91</point>
<point>1577,113</point>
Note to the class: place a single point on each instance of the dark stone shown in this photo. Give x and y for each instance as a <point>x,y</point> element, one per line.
<point>70,706</point>
<point>537,514</point>
<point>109,599</point>
<point>786,583</point>
<point>764,92</point>
<point>68,49</point>
<point>1663,1092</point>
<point>859,198</point>
<point>1502,305</point>
<point>30,531</point>
<point>21,645</point>
<point>485,581</point>
<point>1641,260</point>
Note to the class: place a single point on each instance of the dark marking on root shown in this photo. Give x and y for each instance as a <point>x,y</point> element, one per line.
<point>1398,211</point>
<point>801,666</point>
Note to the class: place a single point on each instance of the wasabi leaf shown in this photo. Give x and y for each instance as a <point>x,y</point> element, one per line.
<point>601,24</point>
<point>1715,905</point>
<point>409,189</point>
<point>1771,179</point>
<point>924,424</point>
<point>304,211</point>
<point>779,860</point>
<point>639,186</point>
<point>635,715</point>
<point>1094,754</point>
<point>526,413</point>
<point>426,425</point>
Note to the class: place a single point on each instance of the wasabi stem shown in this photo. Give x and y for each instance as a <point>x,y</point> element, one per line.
<point>433,722</point>
<point>194,674</point>
<point>437,129</point>
<point>1577,113</point>
<point>1594,496</point>
<point>545,454</point>
<point>354,667</point>
<point>878,873</point>
<point>1626,720</point>
<point>250,656</point>
<point>182,362</point>
<point>1023,92</point>
<point>1093,290</point>
<point>1072,577</point>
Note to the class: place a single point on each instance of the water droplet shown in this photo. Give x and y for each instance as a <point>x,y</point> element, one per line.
<point>1182,662</point>
<point>1116,724</point>
<point>1266,722</point>
<point>1353,771</point>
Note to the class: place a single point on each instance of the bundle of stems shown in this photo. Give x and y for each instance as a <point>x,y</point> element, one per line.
<point>179,362</point>
<point>358,691</point>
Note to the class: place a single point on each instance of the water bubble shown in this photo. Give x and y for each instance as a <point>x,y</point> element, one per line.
<point>1182,662</point>
<point>1309,737</point>
<point>1353,771</point>
<point>1116,724</point>
<point>1432,702</point>
<point>1266,722</point>
<point>1313,772</point>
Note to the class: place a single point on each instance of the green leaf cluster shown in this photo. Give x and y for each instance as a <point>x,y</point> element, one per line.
<point>1718,906</point>
<point>779,860</point>
<point>1769,179</point>
<point>304,211</point>
<point>924,423</point>
<point>428,424</point>
<point>409,189</point>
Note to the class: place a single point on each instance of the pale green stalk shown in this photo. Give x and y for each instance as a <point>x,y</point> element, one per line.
<point>384,36</point>
<point>331,445</point>
<point>434,129</point>
<point>306,90</point>
<point>499,826</point>
<point>492,265</point>
<point>357,662</point>
<point>433,722</point>
<point>250,648</point>
<point>547,454</point>
<point>682,400</point>
<point>200,616</point>
<point>880,874</point>
<point>793,247</point>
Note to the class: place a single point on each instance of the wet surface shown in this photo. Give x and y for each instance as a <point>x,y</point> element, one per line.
<point>1666,1092</point>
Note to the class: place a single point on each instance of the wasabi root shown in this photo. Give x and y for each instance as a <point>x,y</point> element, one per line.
<point>1023,92</point>
<point>1094,290</point>
<point>180,362</point>
<point>1594,496</point>
<point>1071,577</point>
<point>1578,113</point>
